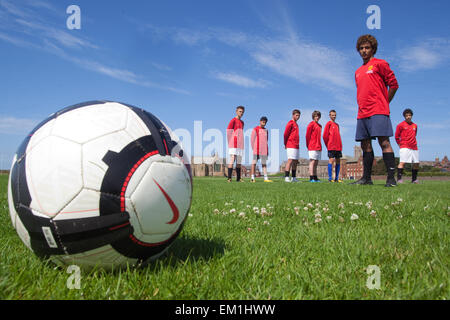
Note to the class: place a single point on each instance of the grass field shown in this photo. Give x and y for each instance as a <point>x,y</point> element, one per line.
<point>311,241</point>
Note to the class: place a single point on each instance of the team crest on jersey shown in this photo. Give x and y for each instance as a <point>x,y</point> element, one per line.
<point>370,69</point>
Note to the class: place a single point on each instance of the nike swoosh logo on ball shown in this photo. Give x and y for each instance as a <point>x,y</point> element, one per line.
<point>174,208</point>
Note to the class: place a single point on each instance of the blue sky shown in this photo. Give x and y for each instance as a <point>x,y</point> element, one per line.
<point>188,61</point>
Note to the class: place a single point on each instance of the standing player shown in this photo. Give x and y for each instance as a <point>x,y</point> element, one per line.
<point>235,138</point>
<point>259,140</point>
<point>373,79</point>
<point>405,135</point>
<point>291,143</point>
<point>333,142</point>
<point>313,135</point>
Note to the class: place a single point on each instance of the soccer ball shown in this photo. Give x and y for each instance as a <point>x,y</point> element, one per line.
<point>100,184</point>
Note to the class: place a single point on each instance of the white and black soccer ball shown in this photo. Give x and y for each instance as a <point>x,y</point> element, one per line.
<point>100,184</point>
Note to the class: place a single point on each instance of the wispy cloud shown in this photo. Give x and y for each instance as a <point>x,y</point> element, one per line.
<point>13,125</point>
<point>240,80</point>
<point>427,55</point>
<point>286,54</point>
<point>25,27</point>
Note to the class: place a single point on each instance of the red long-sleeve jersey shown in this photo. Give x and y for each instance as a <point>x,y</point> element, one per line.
<point>372,80</point>
<point>235,133</point>
<point>259,139</point>
<point>313,136</point>
<point>291,135</point>
<point>332,136</point>
<point>405,135</point>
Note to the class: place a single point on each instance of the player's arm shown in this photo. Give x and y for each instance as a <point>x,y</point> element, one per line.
<point>287,133</point>
<point>308,135</point>
<point>326,134</point>
<point>391,93</point>
<point>230,130</point>
<point>398,134</point>
<point>253,138</point>
<point>389,79</point>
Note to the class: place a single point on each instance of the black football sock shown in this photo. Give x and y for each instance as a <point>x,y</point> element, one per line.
<point>367,163</point>
<point>238,174</point>
<point>315,178</point>
<point>230,172</point>
<point>311,178</point>
<point>286,174</point>
<point>414,174</point>
<point>294,173</point>
<point>399,173</point>
<point>389,161</point>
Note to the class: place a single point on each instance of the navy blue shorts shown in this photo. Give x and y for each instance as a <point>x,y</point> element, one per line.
<point>334,154</point>
<point>378,125</point>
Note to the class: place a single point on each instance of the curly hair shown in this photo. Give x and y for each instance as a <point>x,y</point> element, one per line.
<point>367,38</point>
<point>406,111</point>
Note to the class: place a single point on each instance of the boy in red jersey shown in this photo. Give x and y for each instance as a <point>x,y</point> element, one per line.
<point>235,138</point>
<point>291,143</point>
<point>373,79</point>
<point>405,135</point>
<point>313,134</point>
<point>259,140</point>
<point>333,142</point>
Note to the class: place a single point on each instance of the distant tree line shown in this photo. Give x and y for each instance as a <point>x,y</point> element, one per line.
<point>380,169</point>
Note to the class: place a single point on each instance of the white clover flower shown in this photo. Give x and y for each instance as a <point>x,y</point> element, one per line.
<point>216,211</point>
<point>266,222</point>
<point>386,207</point>
<point>241,202</point>
<point>426,208</point>
<point>190,215</point>
<point>354,217</point>
<point>373,213</point>
<point>318,205</point>
<point>350,202</point>
<point>317,220</point>
<point>233,210</point>
<point>242,214</point>
<point>399,199</point>
<point>341,219</point>
<point>325,210</point>
<point>305,208</point>
<point>248,206</point>
<point>328,217</point>
<point>309,205</point>
<point>317,215</point>
<point>227,204</point>
<point>255,209</point>
<point>341,206</point>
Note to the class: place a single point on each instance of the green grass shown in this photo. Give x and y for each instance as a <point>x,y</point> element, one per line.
<point>280,255</point>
